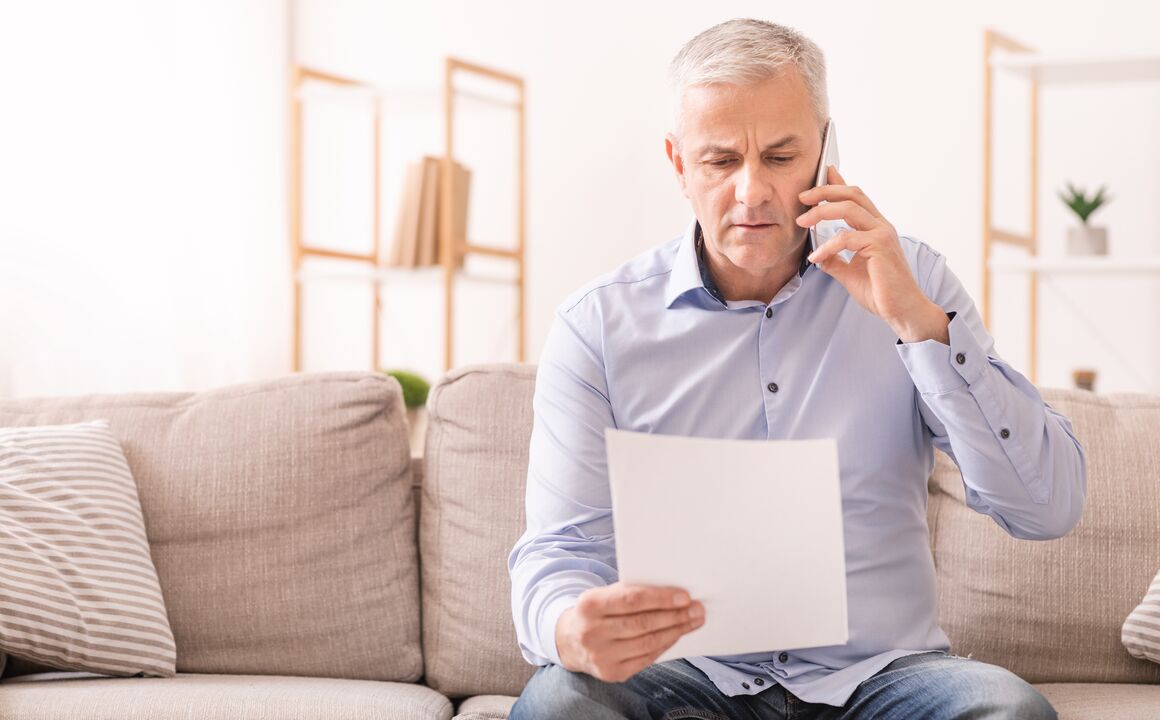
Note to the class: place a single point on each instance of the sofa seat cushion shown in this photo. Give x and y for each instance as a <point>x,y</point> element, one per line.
<point>486,707</point>
<point>212,697</point>
<point>280,518</point>
<point>1052,611</point>
<point>1103,701</point>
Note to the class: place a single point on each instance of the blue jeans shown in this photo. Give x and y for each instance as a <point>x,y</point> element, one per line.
<point>933,685</point>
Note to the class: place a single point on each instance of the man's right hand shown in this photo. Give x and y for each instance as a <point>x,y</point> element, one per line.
<point>614,632</point>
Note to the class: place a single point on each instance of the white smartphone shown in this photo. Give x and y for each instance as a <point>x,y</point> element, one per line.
<point>826,229</point>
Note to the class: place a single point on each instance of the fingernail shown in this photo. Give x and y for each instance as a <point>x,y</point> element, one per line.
<point>681,599</point>
<point>810,257</point>
<point>698,611</point>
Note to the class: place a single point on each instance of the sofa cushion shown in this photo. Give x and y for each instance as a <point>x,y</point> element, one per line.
<point>1051,611</point>
<point>471,514</point>
<point>79,590</point>
<point>485,707</point>
<point>209,697</point>
<point>1102,701</point>
<point>1141,631</point>
<point>280,518</point>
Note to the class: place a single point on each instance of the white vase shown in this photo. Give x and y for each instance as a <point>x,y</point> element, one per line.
<point>1087,240</point>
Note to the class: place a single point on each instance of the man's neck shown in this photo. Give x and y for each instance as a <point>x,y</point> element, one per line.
<point>734,284</point>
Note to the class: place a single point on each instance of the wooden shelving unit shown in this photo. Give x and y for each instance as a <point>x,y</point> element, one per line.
<point>367,268</point>
<point>1002,53</point>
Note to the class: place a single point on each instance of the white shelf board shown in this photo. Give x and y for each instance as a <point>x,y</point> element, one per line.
<point>1078,265</point>
<point>1066,69</point>
<point>411,98</point>
<point>382,275</point>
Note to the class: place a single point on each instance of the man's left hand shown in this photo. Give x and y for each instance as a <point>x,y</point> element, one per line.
<point>878,276</point>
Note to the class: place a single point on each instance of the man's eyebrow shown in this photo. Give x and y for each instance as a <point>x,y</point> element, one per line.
<point>715,149</point>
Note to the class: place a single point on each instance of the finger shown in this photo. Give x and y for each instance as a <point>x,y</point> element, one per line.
<point>854,241</point>
<point>648,648</point>
<point>622,599</point>
<point>840,191</point>
<point>837,268</point>
<point>854,214</point>
<point>630,626</point>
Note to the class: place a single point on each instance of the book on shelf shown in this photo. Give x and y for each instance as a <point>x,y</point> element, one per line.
<point>461,184</point>
<point>416,241</point>
<point>429,212</point>
<point>404,248</point>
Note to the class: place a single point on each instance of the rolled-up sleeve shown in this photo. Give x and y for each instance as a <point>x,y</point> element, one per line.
<point>1020,460</point>
<point>568,544</point>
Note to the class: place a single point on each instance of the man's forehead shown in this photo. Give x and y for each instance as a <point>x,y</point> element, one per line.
<point>722,117</point>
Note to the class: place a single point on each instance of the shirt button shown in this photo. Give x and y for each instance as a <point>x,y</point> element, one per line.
<point>758,681</point>
<point>745,685</point>
<point>1004,433</point>
<point>783,657</point>
<point>772,387</point>
<point>960,358</point>
<point>769,312</point>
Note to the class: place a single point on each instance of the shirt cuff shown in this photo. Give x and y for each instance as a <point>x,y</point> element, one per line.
<point>551,617</point>
<point>937,368</point>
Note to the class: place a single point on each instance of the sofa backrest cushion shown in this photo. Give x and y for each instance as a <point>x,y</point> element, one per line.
<point>280,518</point>
<point>1052,611</point>
<point>472,512</point>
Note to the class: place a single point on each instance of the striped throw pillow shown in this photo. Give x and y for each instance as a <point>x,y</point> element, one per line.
<point>78,589</point>
<point>1141,632</point>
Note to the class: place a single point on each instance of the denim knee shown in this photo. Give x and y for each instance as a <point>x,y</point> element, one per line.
<point>1006,696</point>
<point>556,693</point>
<point>1031,705</point>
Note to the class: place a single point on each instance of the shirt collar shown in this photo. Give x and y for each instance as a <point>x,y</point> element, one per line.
<point>690,271</point>
<point>686,274</point>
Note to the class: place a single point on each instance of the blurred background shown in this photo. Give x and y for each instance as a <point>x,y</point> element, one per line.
<point>148,148</point>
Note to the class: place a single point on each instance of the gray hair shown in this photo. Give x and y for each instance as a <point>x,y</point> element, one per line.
<point>744,52</point>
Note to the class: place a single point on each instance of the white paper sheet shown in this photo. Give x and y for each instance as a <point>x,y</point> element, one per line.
<point>751,528</point>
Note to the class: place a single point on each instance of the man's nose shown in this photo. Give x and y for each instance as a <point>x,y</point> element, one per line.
<point>753,188</point>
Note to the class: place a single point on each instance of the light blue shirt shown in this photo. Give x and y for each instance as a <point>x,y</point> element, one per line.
<point>648,348</point>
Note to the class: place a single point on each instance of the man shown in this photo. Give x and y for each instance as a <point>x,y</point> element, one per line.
<point>736,330</point>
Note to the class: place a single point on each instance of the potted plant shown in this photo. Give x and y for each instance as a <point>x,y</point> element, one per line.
<point>415,389</point>
<point>1085,239</point>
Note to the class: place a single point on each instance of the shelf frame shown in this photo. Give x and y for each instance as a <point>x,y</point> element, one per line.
<point>447,255</point>
<point>375,271</point>
<point>1001,52</point>
<point>299,251</point>
<point>994,41</point>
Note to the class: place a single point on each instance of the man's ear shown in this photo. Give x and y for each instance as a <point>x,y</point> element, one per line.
<point>672,149</point>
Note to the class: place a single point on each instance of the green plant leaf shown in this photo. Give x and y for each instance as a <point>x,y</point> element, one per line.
<point>415,387</point>
<point>1080,204</point>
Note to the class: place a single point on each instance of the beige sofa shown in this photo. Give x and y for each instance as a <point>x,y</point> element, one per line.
<point>312,570</point>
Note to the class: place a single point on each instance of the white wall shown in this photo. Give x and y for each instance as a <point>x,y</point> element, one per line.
<point>905,86</point>
<point>142,229</point>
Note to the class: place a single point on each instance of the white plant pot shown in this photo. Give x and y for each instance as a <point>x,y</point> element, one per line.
<point>417,424</point>
<point>1087,240</point>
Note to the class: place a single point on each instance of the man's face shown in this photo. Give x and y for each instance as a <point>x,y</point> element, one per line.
<point>741,178</point>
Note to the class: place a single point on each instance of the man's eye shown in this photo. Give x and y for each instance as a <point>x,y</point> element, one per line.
<point>727,161</point>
